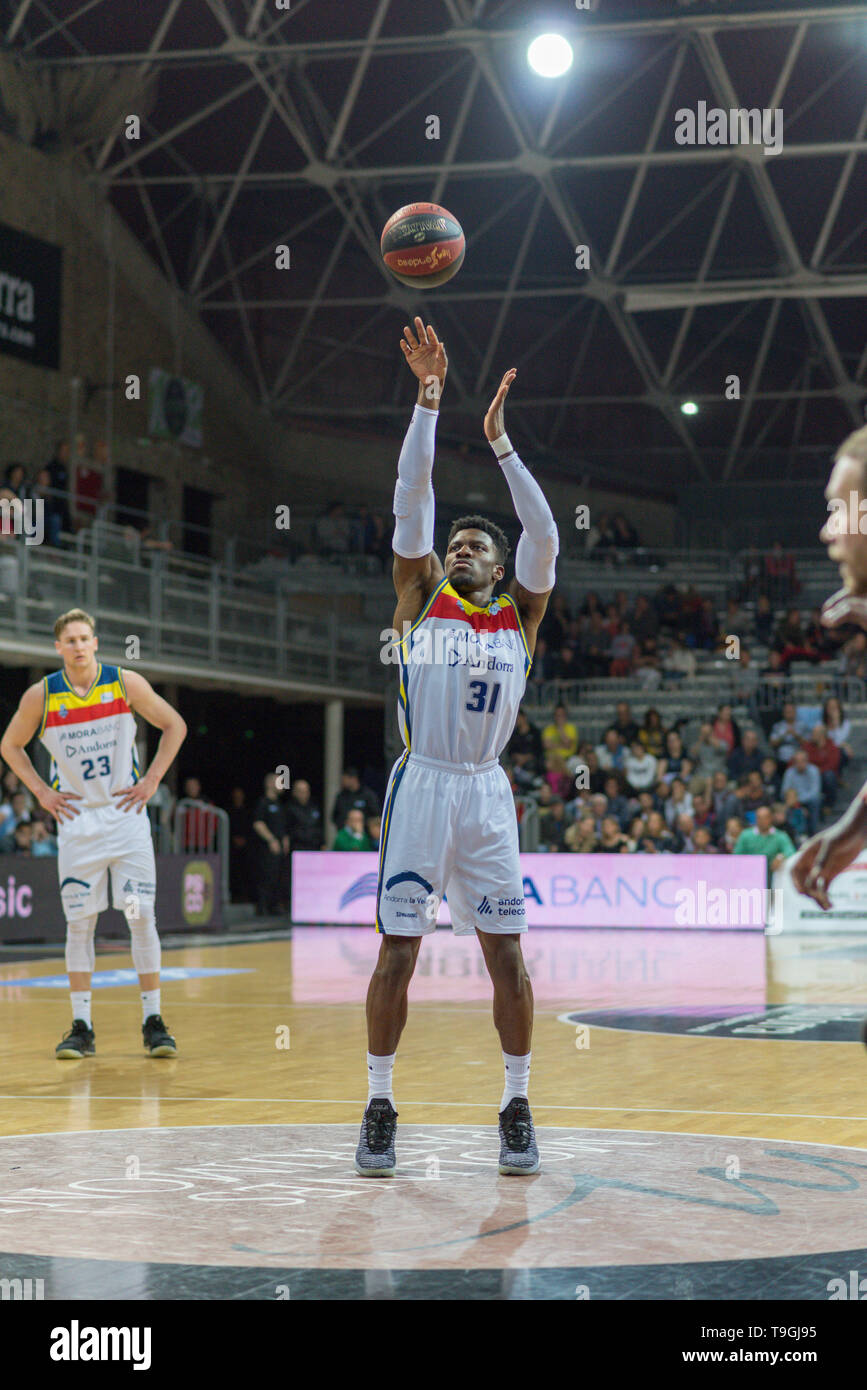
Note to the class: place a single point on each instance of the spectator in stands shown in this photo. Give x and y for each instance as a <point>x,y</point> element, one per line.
<point>679,802</point>
<point>543,669</point>
<point>271,847</point>
<point>52,508</point>
<point>592,603</point>
<point>658,838</point>
<point>602,536</point>
<point>596,772</point>
<point>678,662</point>
<point>701,811</point>
<point>786,735</point>
<point>525,750</point>
<point>594,646</point>
<point>555,623</point>
<point>725,728</point>
<point>839,729</point>
<point>773,692</point>
<point>647,670</point>
<point>374,830</point>
<point>581,837</point>
<point>567,666</point>
<point>14,479</point>
<point>362,531</point>
<point>558,776</point>
<point>824,754</point>
<point>706,626</point>
<point>780,820</point>
<point>380,546</point>
<point>304,818</point>
<point>745,757</point>
<point>790,640</point>
<point>702,843</point>
<point>611,753</point>
<point>618,804</point>
<point>764,838</point>
<point>708,753</point>
<point>652,733</point>
<point>724,803</point>
<point>736,619</point>
<point>199,824</point>
<point>43,845</point>
<point>780,579</point>
<point>21,838</point>
<point>552,830</point>
<point>560,737</point>
<point>647,802</point>
<point>58,469</point>
<point>611,838</point>
<point>853,662</point>
<point>9,552</point>
<point>625,534</point>
<point>637,832</point>
<point>622,651</point>
<point>751,794</point>
<point>672,764</point>
<point>240,842</point>
<point>640,767</point>
<point>353,834</point>
<point>770,777</point>
<point>684,831</point>
<point>796,816</point>
<point>727,841</point>
<point>645,622</point>
<point>624,723</point>
<point>18,813</point>
<point>332,532</point>
<point>745,679</point>
<point>353,796</point>
<point>90,489</point>
<point>807,782</point>
<point>763,622</point>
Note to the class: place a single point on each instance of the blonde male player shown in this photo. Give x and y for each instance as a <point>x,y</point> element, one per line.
<point>84,714</point>
<point>449,823</point>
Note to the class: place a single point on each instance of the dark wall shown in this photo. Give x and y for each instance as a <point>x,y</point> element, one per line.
<point>737,516</point>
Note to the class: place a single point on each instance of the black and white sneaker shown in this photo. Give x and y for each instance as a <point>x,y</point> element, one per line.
<point>374,1157</point>
<point>157,1039</point>
<point>79,1042</point>
<point>518,1152</point>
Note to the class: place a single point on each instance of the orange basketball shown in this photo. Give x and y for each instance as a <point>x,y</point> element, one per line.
<point>423,245</point>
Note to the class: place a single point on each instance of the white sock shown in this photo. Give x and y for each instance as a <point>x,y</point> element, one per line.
<point>379,1072</point>
<point>150,1003</point>
<point>81,1005</point>
<point>517,1077</point>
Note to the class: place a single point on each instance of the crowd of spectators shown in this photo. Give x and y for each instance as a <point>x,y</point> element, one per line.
<point>647,789</point>
<point>657,639</point>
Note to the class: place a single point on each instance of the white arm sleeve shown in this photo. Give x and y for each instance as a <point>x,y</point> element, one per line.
<point>413,493</point>
<point>539,545</point>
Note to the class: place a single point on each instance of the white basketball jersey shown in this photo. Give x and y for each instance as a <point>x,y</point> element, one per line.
<point>463,672</point>
<point>91,737</point>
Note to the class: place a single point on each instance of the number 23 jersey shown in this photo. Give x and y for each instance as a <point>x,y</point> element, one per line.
<point>91,737</point>
<point>463,672</point>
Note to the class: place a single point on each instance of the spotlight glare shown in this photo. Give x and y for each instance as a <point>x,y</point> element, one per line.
<point>550,55</point>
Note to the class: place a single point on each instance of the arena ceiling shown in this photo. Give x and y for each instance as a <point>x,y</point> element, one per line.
<point>306,127</point>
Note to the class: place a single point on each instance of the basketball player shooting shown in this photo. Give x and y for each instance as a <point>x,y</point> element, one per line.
<point>827,854</point>
<point>84,714</point>
<point>449,823</point>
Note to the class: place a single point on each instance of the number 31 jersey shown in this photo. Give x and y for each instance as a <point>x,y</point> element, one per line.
<point>91,738</point>
<point>463,672</point>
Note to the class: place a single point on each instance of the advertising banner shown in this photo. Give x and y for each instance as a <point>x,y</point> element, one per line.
<point>188,898</point>
<point>682,891</point>
<point>30,291</point>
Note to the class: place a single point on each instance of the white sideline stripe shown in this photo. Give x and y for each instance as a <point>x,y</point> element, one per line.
<point>444,1104</point>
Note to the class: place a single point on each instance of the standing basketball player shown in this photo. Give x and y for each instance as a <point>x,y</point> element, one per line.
<point>84,715</point>
<point>449,823</point>
<point>827,854</point>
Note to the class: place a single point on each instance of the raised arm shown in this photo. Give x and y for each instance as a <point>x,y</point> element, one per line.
<point>417,569</point>
<point>539,543</point>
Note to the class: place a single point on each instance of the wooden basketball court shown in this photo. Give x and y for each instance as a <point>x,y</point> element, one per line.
<point>699,1101</point>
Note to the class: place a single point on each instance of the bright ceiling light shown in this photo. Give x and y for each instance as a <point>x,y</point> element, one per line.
<point>550,55</point>
<point>689,408</point>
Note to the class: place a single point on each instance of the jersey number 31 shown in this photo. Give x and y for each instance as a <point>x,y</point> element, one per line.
<point>480,696</point>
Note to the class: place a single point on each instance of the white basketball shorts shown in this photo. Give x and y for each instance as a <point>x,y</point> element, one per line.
<point>449,829</point>
<point>97,840</point>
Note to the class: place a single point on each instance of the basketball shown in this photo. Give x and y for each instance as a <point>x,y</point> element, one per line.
<point>423,245</point>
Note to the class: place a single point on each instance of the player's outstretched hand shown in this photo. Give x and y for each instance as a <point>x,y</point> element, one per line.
<point>136,796</point>
<point>822,858</point>
<point>495,419</point>
<point>844,607</point>
<point>425,354</point>
<point>58,804</point>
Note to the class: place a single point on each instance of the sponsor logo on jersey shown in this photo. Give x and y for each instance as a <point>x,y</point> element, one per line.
<point>106,696</point>
<point>788,1022</point>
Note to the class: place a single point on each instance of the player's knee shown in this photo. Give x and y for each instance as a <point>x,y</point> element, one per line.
<point>507,967</point>
<point>145,943</point>
<point>80,954</point>
<point>397,958</point>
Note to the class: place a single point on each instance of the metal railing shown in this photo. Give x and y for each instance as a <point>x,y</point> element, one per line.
<point>200,828</point>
